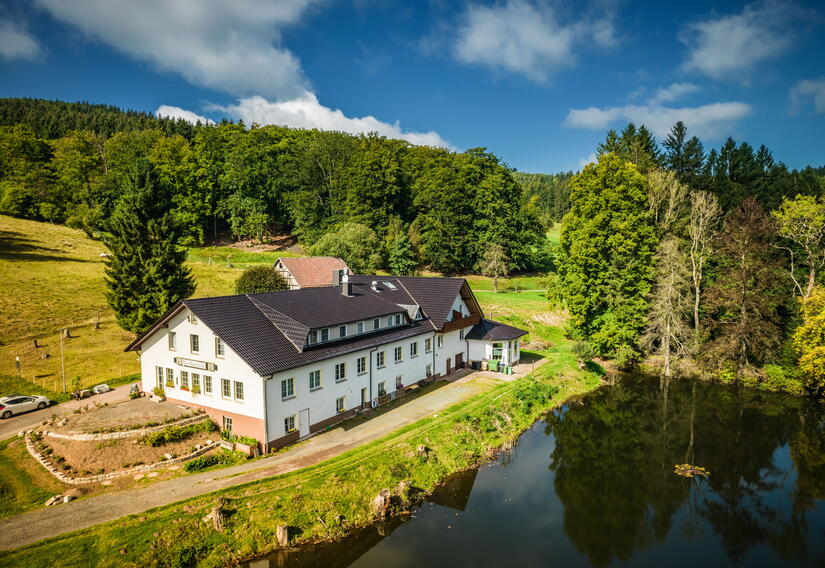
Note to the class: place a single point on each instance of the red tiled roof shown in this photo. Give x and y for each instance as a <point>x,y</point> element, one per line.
<point>313,271</point>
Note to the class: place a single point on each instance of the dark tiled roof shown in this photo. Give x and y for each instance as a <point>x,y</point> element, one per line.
<point>489,330</point>
<point>252,335</point>
<point>311,271</point>
<point>434,295</point>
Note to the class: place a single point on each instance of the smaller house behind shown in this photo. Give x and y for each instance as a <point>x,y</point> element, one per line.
<point>309,271</point>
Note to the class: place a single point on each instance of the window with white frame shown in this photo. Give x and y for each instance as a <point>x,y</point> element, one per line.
<point>379,359</point>
<point>194,343</point>
<point>170,377</point>
<point>382,388</point>
<point>397,319</point>
<point>226,388</point>
<point>376,323</point>
<point>238,390</point>
<point>361,365</point>
<point>184,380</point>
<point>461,335</point>
<point>207,384</point>
<point>342,331</point>
<point>313,337</point>
<point>360,327</point>
<point>428,345</point>
<point>389,320</point>
<point>339,404</point>
<point>193,319</point>
<point>399,382</point>
<point>315,379</point>
<point>288,388</point>
<point>340,372</point>
<point>158,376</point>
<point>397,354</point>
<point>173,341</point>
<point>227,423</point>
<point>325,334</point>
<point>289,424</point>
<point>196,383</point>
<point>219,348</point>
<point>414,349</point>
<point>440,341</point>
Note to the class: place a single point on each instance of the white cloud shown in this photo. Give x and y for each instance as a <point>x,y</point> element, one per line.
<point>232,46</point>
<point>673,92</point>
<point>16,42</point>
<point>591,159</point>
<point>814,88</point>
<point>707,121</point>
<point>306,112</point>
<point>168,111</point>
<point>526,38</point>
<point>732,46</point>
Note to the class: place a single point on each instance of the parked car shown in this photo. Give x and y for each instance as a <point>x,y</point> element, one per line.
<point>100,389</point>
<point>17,404</point>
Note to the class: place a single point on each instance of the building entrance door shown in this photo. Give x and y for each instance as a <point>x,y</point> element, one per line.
<point>364,398</point>
<point>449,367</point>
<point>303,423</point>
<point>459,361</point>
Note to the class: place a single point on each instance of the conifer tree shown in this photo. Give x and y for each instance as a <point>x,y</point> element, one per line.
<point>402,256</point>
<point>145,275</point>
<point>608,241</point>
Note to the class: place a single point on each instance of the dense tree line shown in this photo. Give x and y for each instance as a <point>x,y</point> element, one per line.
<point>549,194</point>
<point>706,257</point>
<point>55,119</point>
<point>415,206</point>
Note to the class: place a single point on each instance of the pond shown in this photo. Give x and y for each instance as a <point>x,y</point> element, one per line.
<point>593,484</point>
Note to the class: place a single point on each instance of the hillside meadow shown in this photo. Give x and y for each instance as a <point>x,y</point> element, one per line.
<point>52,277</point>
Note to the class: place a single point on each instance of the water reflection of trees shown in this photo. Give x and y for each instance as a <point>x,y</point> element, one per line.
<point>615,453</point>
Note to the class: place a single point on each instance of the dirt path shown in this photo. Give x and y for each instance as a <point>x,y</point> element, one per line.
<point>33,526</point>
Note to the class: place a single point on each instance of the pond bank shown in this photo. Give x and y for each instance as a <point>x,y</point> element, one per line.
<point>323,502</point>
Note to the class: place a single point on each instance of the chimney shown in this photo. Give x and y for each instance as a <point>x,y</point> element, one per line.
<point>374,286</point>
<point>346,288</point>
<point>336,277</point>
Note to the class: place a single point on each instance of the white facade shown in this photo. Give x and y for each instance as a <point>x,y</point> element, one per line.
<point>156,352</point>
<point>308,405</point>
<point>304,399</point>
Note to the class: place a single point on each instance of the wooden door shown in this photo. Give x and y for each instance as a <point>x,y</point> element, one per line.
<point>459,361</point>
<point>449,367</point>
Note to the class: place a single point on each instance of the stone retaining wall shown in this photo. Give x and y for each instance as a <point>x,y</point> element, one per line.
<point>121,434</point>
<point>45,462</point>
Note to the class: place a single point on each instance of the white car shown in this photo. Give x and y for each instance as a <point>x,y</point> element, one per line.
<point>18,403</point>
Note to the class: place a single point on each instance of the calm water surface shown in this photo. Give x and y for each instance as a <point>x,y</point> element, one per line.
<point>593,485</point>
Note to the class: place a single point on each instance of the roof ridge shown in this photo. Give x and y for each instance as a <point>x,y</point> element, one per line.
<point>295,331</point>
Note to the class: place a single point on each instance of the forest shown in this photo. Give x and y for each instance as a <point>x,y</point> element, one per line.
<point>706,261</point>
<point>703,259</point>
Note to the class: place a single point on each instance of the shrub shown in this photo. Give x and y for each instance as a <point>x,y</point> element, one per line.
<point>783,379</point>
<point>174,434</point>
<point>159,392</point>
<point>225,457</point>
<point>258,279</point>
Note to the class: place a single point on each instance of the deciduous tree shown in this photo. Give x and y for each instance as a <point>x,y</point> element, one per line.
<point>802,221</point>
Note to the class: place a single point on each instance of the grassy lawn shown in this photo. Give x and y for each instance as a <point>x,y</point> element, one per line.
<point>53,278</point>
<point>24,484</point>
<point>321,502</point>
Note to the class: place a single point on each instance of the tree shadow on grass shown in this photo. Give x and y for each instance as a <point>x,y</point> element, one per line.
<point>17,246</point>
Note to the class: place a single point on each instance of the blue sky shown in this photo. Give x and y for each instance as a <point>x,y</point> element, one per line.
<point>536,82</point>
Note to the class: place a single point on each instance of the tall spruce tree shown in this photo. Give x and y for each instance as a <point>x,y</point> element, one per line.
<point>608,241</point>
<point>145,275</point>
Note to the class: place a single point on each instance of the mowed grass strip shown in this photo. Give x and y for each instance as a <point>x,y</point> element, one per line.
<point>323,502</point>
<point>24,483</point>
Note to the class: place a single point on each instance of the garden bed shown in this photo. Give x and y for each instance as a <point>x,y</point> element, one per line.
<point>128,415</point>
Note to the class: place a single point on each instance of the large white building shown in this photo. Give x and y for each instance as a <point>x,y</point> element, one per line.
<point>279,366</point>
